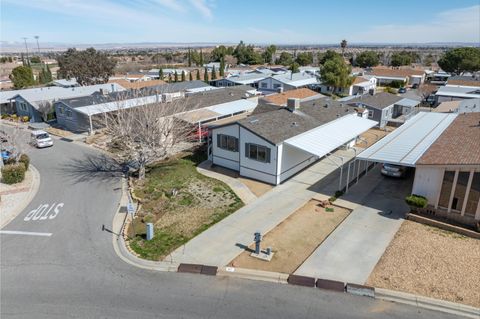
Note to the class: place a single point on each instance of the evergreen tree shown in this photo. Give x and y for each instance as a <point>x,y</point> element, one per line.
<point>183,76</point>
<point>190,76</point>
<point>160,74</point>
<point>201,58</point>
<point>214,73</point>
<point>198,74</point>
<point>205,75</point>
<point>189,58</point>
<point>49,74</point>
<point>176,76</point>
<point>22,77</point>
<point>222,67</point>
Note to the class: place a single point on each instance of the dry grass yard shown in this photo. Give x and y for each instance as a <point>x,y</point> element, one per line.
<point>289,242</point>
<point>256,187</point>
<point>431,262</point>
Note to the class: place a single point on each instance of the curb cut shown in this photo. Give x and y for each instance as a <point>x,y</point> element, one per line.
<point>31,194</point>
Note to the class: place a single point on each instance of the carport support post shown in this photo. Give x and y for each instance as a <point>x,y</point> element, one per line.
<point>341,176</point>
<point>358,171</point>
<point>91,124</point>
<point>348,177</point>
<point>199,132</point>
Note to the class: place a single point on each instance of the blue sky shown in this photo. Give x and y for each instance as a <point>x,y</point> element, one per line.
<point>253,21</point>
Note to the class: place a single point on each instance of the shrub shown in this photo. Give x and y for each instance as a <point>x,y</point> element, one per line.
<point>5,116</point>
<point>25,119</point>
<point>416,201</point>
<point>339,193</point>
<point>397,84</point>
<point>25,160</point>
<point>13,173</point>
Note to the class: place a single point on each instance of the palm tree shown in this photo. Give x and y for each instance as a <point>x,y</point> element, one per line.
<point>343,44</point>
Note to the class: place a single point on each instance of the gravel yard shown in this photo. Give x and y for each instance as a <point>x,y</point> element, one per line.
<point>294,240</point>
<point>431,262</point>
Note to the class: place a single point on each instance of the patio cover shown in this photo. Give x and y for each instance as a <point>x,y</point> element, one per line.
<point>326,138</point>
<point>406,145</point>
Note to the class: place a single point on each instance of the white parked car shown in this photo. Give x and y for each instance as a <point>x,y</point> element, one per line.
<point>40,139</point>
<point>394,170</point>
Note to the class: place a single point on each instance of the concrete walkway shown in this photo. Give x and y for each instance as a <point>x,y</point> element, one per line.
<point>238,187</point>
<point>224,241</point>
<point>353,249</point>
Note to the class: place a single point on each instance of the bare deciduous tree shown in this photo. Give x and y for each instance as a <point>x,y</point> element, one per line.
<point>45,108</point>
<point>147,133</point>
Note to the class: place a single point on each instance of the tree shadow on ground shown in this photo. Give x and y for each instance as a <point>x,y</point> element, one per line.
<point>93,168</point>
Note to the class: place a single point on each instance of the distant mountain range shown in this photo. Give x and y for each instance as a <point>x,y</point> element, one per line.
<point>17,46</point>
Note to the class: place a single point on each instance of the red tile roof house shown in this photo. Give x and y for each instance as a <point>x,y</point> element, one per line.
<point>448,173</point>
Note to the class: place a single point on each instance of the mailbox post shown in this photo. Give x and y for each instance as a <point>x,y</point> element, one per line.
<point>258,239</point>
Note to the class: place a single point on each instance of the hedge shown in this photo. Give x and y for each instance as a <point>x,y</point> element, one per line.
<point>416,201</point>
<point>13,173</point>
<point>25,160</point>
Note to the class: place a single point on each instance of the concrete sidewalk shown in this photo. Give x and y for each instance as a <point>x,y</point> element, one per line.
<point>224,241</point>
<point>351,252</point>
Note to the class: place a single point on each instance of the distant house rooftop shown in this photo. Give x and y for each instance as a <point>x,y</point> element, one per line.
<point>296,79</point>
<point>378,101</point>
<point>302,94</point>
<point>469,81</point>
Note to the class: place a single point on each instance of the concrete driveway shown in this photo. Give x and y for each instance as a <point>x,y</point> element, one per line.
<point>353,249</point>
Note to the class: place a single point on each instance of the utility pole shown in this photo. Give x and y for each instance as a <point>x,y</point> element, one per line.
<point>26,47</point>
<point>38,46</point>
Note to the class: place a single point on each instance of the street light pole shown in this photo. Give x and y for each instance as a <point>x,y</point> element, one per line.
<point>38,45</point>
<point>26,47</point>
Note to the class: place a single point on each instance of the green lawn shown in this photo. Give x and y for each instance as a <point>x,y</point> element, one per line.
<point>181,203</point>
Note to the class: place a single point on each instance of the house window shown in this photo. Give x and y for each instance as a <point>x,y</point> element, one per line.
<point>60,110</point>
<point>370,114</point>
<point>276,86</point>
<point>227,142</point>
<point>68,113</point>
<point>257,152</point>
<point>23,106</point>
<point>264,85</point>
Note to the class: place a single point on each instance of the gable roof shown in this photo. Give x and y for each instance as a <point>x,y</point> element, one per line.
<point>377,101</point>
<point>56,92</point>
<point>459,144</point>
<point>390,72</point>
<point>458,91</point>
<point>278,125</point>
<point>296,79</point>
<point>359,80</point>
<point>281,98</point>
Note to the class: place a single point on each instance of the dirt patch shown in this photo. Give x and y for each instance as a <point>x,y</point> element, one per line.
<point>295,239</point>
<point>372,136</point>
<point>431,262</point>
<point>256,187</point>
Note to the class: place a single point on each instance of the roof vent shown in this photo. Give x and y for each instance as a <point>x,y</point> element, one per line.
<point>294,124</point>
<point>253,121</point>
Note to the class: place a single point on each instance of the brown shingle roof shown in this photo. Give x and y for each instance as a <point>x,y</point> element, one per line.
<point>459,144</point>
<point>281,98</point>
<point>136,85</point>
<point>359,79</point>
<point>464,82</point>
<point>382,71</point>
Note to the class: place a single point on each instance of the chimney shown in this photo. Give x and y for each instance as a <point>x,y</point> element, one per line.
<point>113,87</point>
<point>293,104</point>
<point>101,91</point>
<point>280,89</point>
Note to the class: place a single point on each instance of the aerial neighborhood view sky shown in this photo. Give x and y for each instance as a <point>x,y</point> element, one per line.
<point>240,159</point>
<point>285,22</point>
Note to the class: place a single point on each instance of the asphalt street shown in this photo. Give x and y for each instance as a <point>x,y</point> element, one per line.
<point>72,271</point>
